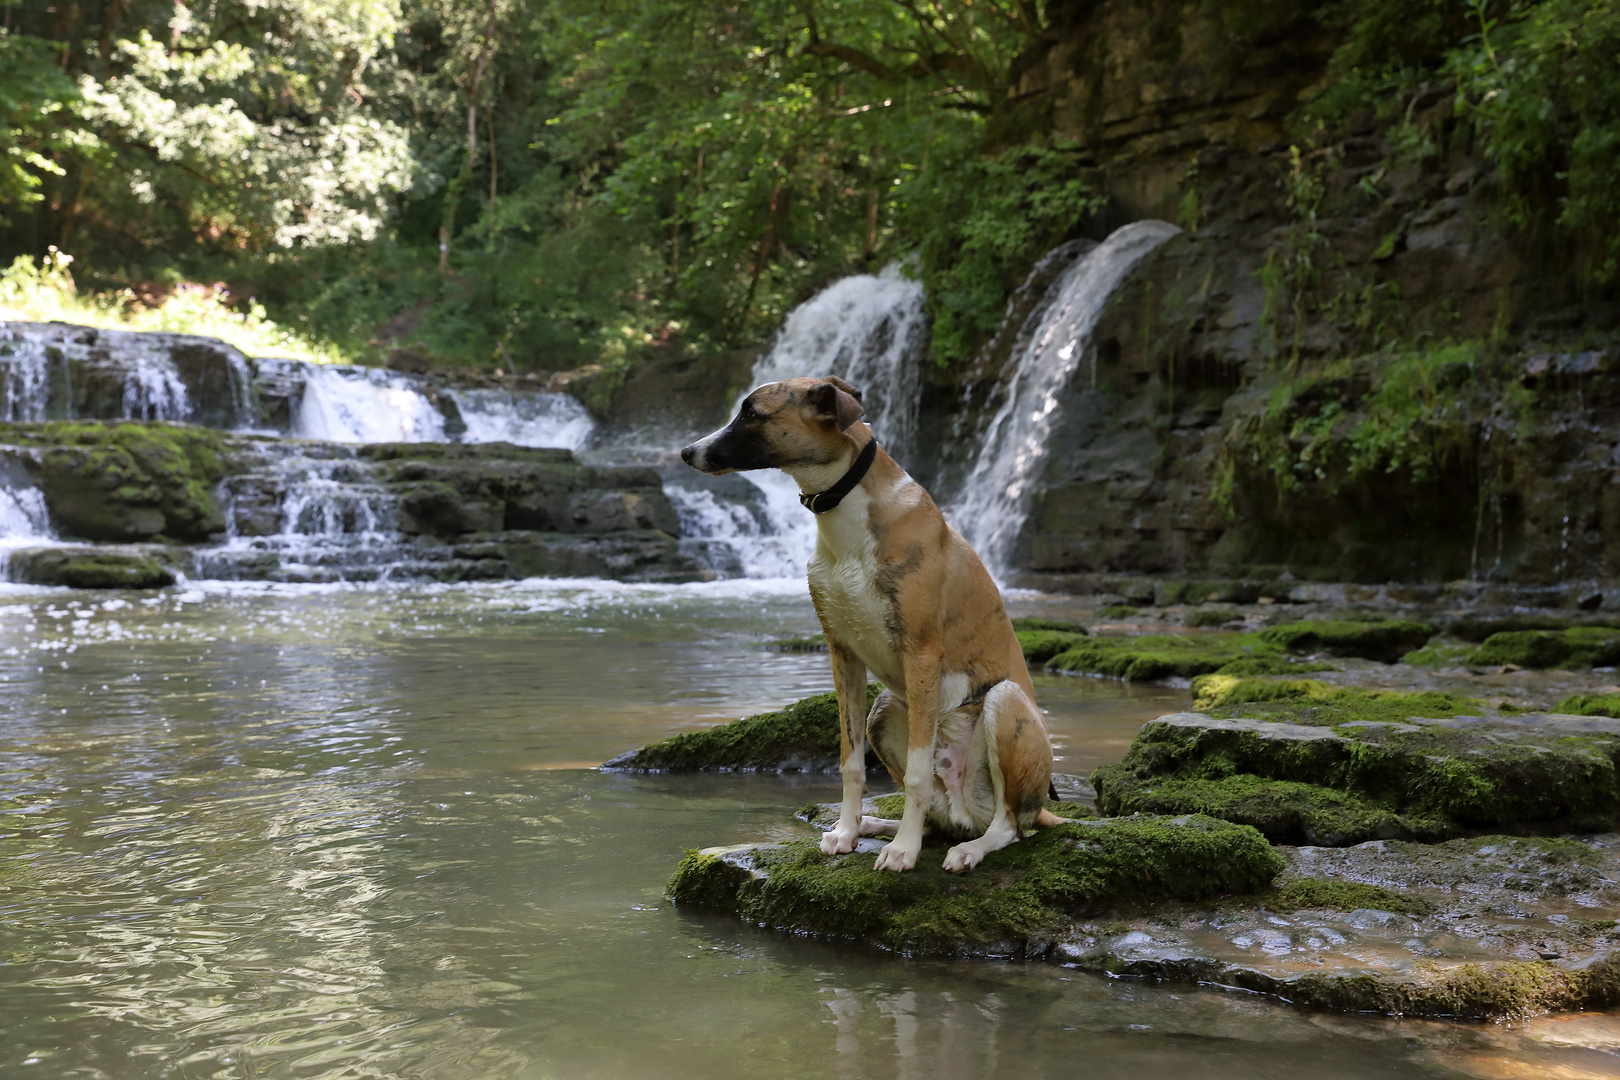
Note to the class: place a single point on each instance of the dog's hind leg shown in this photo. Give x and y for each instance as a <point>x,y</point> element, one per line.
<point>1019,759</point>
<point>887,732</point>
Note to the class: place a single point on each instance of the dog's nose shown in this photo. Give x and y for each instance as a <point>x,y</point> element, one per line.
<point>688,453</point>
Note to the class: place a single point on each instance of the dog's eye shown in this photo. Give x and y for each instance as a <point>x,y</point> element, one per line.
<point>758,417</point>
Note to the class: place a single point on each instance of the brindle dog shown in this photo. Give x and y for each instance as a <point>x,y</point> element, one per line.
<point>901,594</point>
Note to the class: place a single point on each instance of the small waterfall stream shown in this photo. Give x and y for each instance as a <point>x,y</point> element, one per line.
<point>867,329</point>
<point>994,501</point>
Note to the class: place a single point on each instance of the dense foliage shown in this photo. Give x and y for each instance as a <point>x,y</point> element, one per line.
<point>540,183</point>
<point>533,182</point>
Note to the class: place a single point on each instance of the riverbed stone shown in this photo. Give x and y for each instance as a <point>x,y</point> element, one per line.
<point>801,738</point>
<point>1307,763</point>
<point>1013,904</point>
<point>126,566</point>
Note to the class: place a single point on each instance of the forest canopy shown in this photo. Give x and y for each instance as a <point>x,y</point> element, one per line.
<point>543,183</point>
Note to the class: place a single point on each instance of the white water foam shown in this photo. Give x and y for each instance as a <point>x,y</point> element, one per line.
<point>24,381</point>
<point>524,418</point>
<point>995,499</point>
<point>364,405</point>
<point>153,389</point>
<point>867,329</point>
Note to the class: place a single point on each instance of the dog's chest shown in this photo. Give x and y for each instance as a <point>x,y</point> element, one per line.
<point>844,582</point>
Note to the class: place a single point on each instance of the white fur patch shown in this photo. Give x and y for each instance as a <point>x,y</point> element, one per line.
<point>843,578</point>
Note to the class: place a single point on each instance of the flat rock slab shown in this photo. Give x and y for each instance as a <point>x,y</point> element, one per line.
<point>1014,903</point>
<point>1482,928</point>
<point>1359,779</point>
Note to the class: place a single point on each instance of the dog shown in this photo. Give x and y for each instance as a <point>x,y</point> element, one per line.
<point>902,595</point>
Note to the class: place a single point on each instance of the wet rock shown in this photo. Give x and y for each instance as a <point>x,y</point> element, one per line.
<point>1152,657</point>
<point>1330,766</point>
<point>81,567</point>
<point>1385,641</point>
<point>125,481</point>
<point>802,738</point>
<point>1015,903</point>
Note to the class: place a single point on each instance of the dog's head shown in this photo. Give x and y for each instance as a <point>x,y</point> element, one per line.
<point>780,425</point>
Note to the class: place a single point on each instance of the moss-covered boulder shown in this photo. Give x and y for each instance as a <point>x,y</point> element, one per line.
<point>1590,705</point>
<point>1153,657</point>
<point>1014,903</point>
<point>126,481</point>
<point>1576,647</point>
<point>1385,641</point>
<point>123,567</point>
<point>1307,763</point>
<point>802,738</point>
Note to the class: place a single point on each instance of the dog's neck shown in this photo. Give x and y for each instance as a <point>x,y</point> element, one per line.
<point>813,478</point>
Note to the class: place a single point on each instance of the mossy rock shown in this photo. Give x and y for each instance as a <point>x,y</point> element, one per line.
<point>127,481</point>
<point>1385,641</point>
<point>1304,893</point>
<point>800,738</point>
<point>1476,629</point>
<point>1011,904</point>
<point>1311,701</point>
<point>1577,647</point>
<point>1590,705</point>
<point>1061,626</point>
<point>90,568</point>
<point>1041,645</point>
<point>813,643</point>
<point>1155,657</point>
<point>1330,766</point>
<point>1116,611</point>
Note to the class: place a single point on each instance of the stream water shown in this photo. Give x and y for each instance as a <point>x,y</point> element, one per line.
<point>345,831</point>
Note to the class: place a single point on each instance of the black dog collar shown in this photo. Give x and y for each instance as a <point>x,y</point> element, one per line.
<point>823,501</point>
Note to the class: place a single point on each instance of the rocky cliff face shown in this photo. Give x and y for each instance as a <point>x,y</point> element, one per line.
<point>1232,424</point>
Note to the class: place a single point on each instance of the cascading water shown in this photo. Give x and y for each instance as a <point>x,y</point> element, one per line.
<point>24,381</point>
<point>995,499</point>
<point>313,513</point>
<point>867,329</point>
<point>364,405</point>
<point>24,519</point>
<point>523,418</point>
<point>154,390</point>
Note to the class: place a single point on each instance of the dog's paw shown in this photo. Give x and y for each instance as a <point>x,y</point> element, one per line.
<point>896,857</point>
<point>963,857</point>
<point>838,840</point>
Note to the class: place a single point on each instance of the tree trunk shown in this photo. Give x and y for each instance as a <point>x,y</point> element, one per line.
<point>452,194</point>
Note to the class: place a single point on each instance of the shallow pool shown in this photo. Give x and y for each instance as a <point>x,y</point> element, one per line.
<point>354,832</point>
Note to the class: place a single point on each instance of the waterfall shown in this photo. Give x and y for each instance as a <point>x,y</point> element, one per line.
<point>995,499</point>
<point>25,376</point>
<point>364,405</point>
<point>867,329</point>
<point>153,389</point>
<point>524,419</point>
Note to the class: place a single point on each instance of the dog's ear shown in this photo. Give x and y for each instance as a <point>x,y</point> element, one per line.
<point>829,400</point>
<point>848,388</point>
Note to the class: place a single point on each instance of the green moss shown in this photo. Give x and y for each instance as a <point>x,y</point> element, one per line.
<point>1577,647</point>
<point>1022,892</point>
<point>1061,626</point>
<point>1478,629</point>
<point>1590,705</point>
<point>801,737</point>
<point>1285,812</point>
<point>1178,656</point>
<point>1310,701</point>
<point>127,481</point>
<point>1209,617</point>
<point>1041,645</point>
<point>134,572</point>
<point>1298,893</point>
<point>813,643</point>
<point>1438,655</point>
<point>1384,641</point>
<point>1380,772</point>
<point>1116,611</point>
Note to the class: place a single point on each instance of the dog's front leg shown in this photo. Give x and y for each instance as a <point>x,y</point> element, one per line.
<point>849,679</point>
<point>922,701</point>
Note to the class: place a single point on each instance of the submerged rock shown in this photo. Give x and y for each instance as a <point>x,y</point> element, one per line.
<point>1014,903</point>
<point>1307,763</point>
<point>802,738</point>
